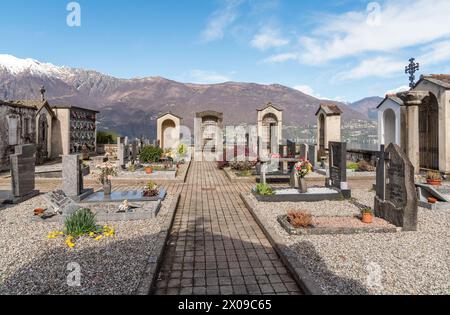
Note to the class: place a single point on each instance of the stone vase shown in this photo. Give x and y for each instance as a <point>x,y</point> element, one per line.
<point>302,186</point>
<point>107,188</point>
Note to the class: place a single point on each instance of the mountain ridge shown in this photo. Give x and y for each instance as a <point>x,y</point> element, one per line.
<point>131,106</point>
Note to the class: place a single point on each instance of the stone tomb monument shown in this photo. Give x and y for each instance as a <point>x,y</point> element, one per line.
<point>73,173</point>
<point>338,168</point>
<point>396,200</point>
<point>22,175</point>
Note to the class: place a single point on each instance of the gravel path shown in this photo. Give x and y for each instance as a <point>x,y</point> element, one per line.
<point>394,263</point>
<point>30,263</point>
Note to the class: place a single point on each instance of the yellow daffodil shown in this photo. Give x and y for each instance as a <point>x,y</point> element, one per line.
<point>69,242</point>
<point>98,238</point>
<point>92,234</point>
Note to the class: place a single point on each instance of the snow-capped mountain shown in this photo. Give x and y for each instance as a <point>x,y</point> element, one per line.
<point>130,106</point>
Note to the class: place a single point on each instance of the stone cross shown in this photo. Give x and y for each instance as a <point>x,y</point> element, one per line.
<point>411,69</point>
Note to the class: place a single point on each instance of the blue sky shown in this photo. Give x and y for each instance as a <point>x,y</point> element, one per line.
<point>343,49</point>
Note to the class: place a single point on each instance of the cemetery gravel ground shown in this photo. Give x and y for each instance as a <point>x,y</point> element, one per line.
<point>30,263</point>
<point>411,262</point>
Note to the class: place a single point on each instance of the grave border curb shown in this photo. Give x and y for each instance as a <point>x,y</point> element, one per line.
<point>301,276</point>
<point>150,275</point>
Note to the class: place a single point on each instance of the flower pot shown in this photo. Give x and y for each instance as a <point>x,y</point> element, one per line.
<point>302,186</point>
<point>367,218</point>
<point>434,182</point>
<point>149,170</point>
<point>107,188</point>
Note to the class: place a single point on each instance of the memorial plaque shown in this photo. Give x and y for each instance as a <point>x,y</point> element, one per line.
<point>23,170</point>
<point>59,202</point>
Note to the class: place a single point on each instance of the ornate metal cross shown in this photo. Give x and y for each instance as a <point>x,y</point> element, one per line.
<point>411,70</point>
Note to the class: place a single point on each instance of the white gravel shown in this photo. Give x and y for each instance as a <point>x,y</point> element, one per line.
<point>395,263</point>
<point>30,263</point>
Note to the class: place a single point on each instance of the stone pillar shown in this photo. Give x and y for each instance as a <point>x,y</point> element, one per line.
<point>412,100</point>
<point>71,175</point>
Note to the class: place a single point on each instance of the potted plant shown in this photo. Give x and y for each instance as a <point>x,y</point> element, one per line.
<point>302,168</point>
<point>434,178</point>
<point>149,170</point>
<point>151,190</point>
<point>105,172</point>
<point>367,215</point>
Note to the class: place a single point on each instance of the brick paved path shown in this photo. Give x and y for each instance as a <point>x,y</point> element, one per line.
<point>216,247</point>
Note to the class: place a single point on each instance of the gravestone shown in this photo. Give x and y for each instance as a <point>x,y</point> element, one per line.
<point>399,205</point>
<point>73,173</point>
<point>304,151</point>
<point>337,170</point>
<point>59,203</point>
<point>134,151</point>
<point>23,173</point>
<point>294,178</point>
<point>291,149</point>
<point>312,155</point>
<point>122,151</point>
<point>338,165</point>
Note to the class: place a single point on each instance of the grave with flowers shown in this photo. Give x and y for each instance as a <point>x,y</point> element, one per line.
<point>336,187</point>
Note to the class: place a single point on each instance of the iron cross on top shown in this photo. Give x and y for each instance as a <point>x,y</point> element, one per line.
<point>411,70</point>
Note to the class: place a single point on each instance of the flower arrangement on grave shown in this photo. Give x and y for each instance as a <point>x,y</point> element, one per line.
<point>82,223</point>
<point>275,156</point>
<point>151,190</point>
<point>303,168</point>
<point>182,153</point>
<point>169,154</point>
<point>104,174</point>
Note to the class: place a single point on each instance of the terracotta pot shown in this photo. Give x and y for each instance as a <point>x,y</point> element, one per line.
<point>432,200</point>
<point>38,211</point>
<point>434,182</point>
<point>149,170</point>
<point>367,218</point>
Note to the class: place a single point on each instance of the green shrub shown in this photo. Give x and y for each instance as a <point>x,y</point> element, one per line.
<point>352,166</point>
<point>182,150</point>
<point>150,154</point>
<point>264,190</point>
<point>80,223</point>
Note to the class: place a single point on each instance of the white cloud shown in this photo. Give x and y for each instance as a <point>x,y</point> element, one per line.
<point>207,77</point>
<point>436,53</point>
<point>402,24</point>
<point>220,20</point>
<point>306,89</point>
<point>268,38</point>
<point>281,58</point>
<point>375,67</point>
<point>402,88</point>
